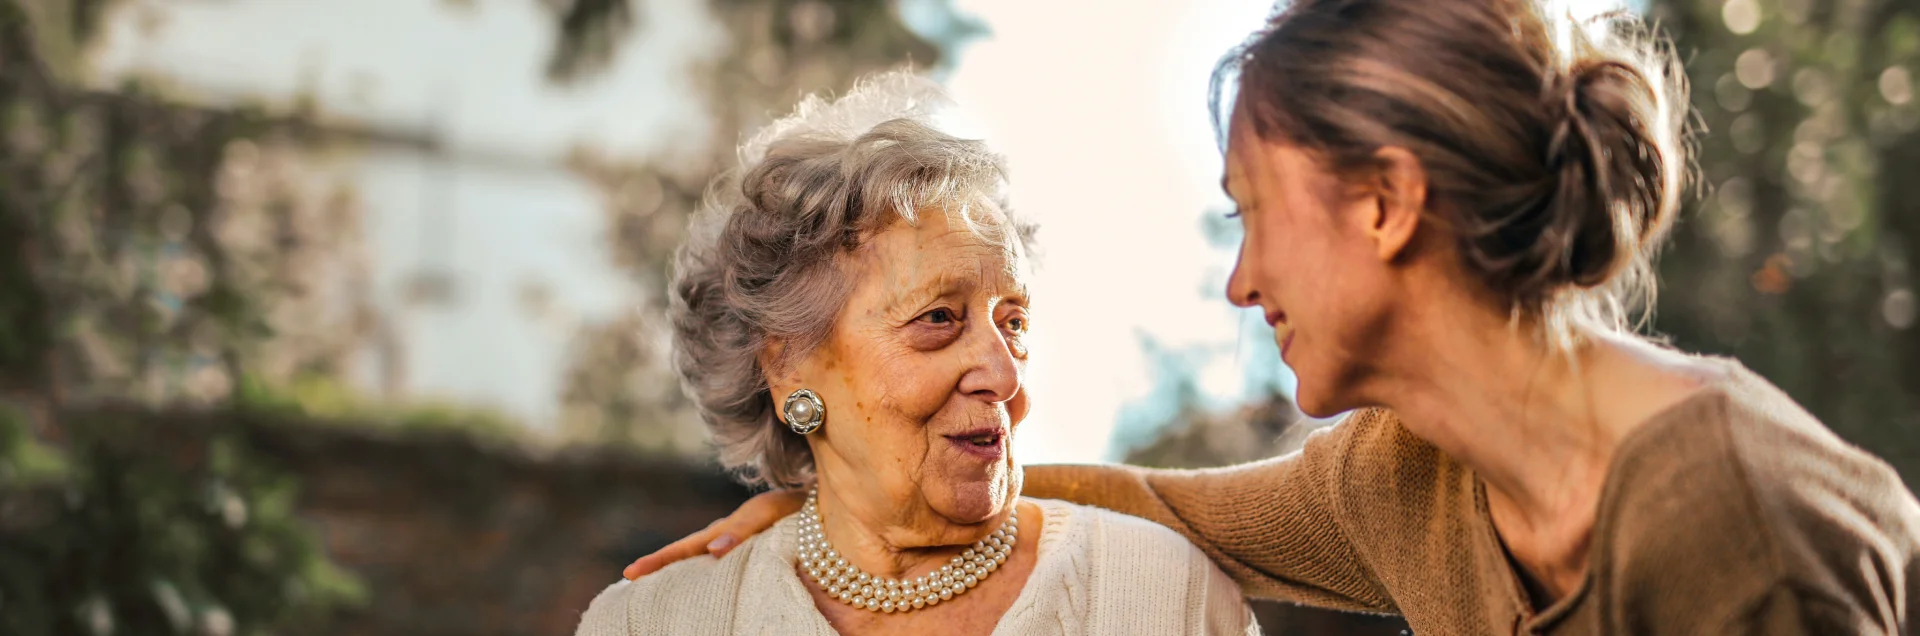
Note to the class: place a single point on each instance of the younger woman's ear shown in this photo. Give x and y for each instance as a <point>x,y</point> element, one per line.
<point>1401,200</point>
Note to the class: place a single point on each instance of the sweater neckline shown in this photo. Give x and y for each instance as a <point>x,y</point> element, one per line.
<point>1725,372</point>
<point>1050,562</point>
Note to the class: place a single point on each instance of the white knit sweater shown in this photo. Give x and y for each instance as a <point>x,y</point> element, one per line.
<point>1098,572</point>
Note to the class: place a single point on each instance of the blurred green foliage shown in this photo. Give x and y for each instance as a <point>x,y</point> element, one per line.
<point>145,248</point>
<point>1800,252</point>
<point>105,534</point>
<point>329,399</point>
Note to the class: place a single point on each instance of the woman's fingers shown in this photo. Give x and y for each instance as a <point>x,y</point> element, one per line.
<point>692,546</point>
<point>754,517</point>
<point>721,537</point>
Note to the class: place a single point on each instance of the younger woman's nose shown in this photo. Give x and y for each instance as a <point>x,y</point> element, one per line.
<point>1240,289</point>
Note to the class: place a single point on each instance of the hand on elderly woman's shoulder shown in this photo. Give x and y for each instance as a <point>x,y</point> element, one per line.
<point>720,537</point>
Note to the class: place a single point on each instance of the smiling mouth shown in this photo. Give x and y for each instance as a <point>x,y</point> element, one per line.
<point>1282,332</point>
<point>988,445</point>
<point>981,440</point>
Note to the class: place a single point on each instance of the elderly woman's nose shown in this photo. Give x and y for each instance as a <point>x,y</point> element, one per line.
<point>994,371</point>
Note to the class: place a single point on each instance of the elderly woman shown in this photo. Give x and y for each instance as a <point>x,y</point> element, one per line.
<point>849,320</point>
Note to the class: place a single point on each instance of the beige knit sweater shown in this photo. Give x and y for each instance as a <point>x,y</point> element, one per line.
<point>1097,572</point>
<point>1734,512</point>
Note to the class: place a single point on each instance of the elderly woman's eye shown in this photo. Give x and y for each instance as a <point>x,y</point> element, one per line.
<point>1017,324</point>
<point>938,316</point>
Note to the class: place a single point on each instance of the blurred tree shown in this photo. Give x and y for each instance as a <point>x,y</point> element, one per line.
<point>157,251</point>
<point>158,254</point>
<point>1799,256</point>
<point>589,33</point>
<point>113,534</point>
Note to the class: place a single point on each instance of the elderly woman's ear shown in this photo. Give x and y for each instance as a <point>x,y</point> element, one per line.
<point>800,409</point>
<point>782,372</point>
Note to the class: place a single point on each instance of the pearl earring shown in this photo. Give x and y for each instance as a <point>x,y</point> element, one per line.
<point>805,412</point>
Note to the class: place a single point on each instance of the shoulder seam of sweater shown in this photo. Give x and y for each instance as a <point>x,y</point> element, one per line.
<point>1722,406</point>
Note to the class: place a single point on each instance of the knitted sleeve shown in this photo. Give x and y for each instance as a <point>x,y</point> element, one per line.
<point>1271,525</point>
<point>607,615</point>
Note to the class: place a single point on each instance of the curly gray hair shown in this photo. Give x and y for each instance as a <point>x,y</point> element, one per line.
<point>760,260</point>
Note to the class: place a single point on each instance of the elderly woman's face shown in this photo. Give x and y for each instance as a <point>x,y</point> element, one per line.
<point>923,375</point>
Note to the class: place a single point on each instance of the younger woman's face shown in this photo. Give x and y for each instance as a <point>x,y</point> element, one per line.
<point>1307,264</point>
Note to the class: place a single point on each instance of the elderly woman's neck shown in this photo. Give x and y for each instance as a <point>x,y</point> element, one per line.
<point>885,540</point>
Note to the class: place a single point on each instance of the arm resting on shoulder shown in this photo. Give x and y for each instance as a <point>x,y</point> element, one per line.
<point>1269,524</point>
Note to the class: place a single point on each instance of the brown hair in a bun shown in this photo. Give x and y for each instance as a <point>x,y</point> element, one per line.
<point>1554,148</point>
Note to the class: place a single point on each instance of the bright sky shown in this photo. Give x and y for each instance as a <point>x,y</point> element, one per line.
<point>1102,112</point>
<point>1100,108</point>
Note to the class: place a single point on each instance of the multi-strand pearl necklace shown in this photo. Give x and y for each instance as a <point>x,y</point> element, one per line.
<point>843,581</point>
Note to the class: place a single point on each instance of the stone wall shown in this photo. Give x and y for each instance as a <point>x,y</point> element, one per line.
<point>452,533</point>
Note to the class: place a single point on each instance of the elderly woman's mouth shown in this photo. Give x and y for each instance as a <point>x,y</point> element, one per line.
<point>989,444</point>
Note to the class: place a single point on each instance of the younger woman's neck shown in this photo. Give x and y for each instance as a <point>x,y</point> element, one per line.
<point>1539,424</point>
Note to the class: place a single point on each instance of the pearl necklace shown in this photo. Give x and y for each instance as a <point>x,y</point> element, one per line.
<point>843,581</point>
